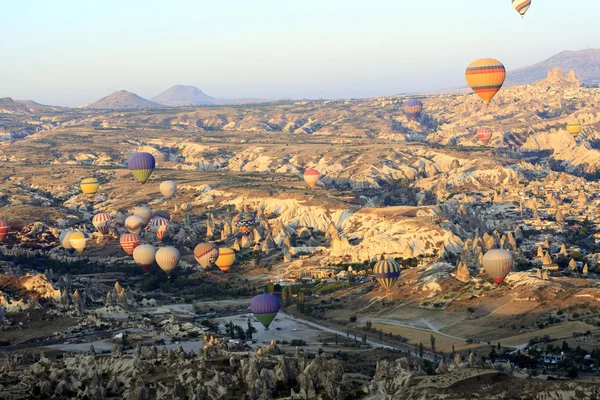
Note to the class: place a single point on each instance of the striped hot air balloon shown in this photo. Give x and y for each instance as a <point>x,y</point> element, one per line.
<point>4,228</point>
<point>144,255</point>
<point>486,77</point>
<point>134,224</point>
<point>141,165</point>
<point>129,241</point>
<point>144,212</point>
<point>521,6</point>
<point>65,240</point>
<point>159,225</point>
<point>206,254</point>
<point>78,241</point>
<point>89,187</point>
<point>168,188</point>
<point>167,258</point>
<point>244,222</point>
<point>497,264</point>
<point>413,109</point>
<point>101,221</point>
<point>265,308</point>
<point>226,259</point>
<point>387,272</point>
<point>311,177</point>
<point>484,135</point>
<point>574,128</point>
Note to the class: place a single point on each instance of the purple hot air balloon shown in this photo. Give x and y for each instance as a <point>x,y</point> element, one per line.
<point>413,109</point>
<point>141,165</point>
<point>265,307</point>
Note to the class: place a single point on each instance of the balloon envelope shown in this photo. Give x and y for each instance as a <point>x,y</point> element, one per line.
<point>4,227</point>
<point>167,258</point>
<point>101,221</point>
<point>413,109</point>
<point>244,222</point>
<point>497,264</point>
<point>387,272</point>
<point>65,240</point>
<point>89,186</point>
<point>486,77</point>
<point>206,254</point>
<point>129,241</point>
<point>484,134</point>
<point>226,259</point>
<point>265,307</point>
<point>521,6</point>
<point>144,255</point>
<point>134,224</point>
<point>159,225</point>
<point>141,165</point>
<point>168,188</point>
<point>144,212</point>
<point>78,241</point>
<point>311,177</point>
<point>574,128</point>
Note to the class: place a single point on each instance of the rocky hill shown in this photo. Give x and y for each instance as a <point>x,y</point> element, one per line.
<point>181,95</point>
<point>585,63</point>
<point>122,100</point>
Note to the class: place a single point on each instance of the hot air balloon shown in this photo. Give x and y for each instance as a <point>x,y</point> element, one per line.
<point>484,134</point>
<point>101,221</point>
<point>265,308</point>
<point>387,272</point>
<point>486,77</point>
<point>206,254</point>
<point>311,177</point>
<point>144,255</point>
<point>78,241</point>
<point>413,109</point>
<point>4,227</point>
<point>65,240</point>
<point>129,241</point>
<point>141,165</point>
<point>226,259</point>
<point>144,212</point>
<point>167,258</point>
<point>159,225</point>
<point>244,222</point>
<point>134,224</point>
<point>168,188</point>
<point>521,6</point>
<point>574,128</point>
<point>497,264</point>
<point>89,187</point>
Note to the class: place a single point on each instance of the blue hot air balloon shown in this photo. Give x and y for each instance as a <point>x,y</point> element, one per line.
<point>413,109</point>
<point>141,165</point>
<point>387,272</point>
<point>265,307</point>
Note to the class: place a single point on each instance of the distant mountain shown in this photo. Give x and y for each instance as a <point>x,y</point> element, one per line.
<point>585,63</point>
<point>123,100</point>
<point>181,95</point>
<point>9,106</point>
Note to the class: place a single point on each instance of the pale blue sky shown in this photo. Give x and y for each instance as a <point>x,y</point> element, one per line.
<point>74,52</point>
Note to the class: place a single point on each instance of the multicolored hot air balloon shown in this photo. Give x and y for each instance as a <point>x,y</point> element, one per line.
<point>574,128</point>
<point>413,109</point>
<point>141,165</point>
<point>226,259</point>
<point>78,241</point>
<point>129,241</point>
<point>387,272</point>
<point>101,221</point>
<point>89,187</point>
<point>4,228</point>
<point>168,188</point>
<point>311,177</point>
<point>167,258</point>
<point>144,212</point>
<point>484,134</point>
<point>206,254</point>
<point>134,224</point>
<point>144,256</point>
<point>521,6</point>
<point>497,264</point>
<point>244,222</point>
<point>65,240</point>
<point>159,225</point>
<point>265,308</point>
<point>486,77</point>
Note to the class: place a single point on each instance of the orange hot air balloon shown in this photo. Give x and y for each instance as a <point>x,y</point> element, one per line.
<point>484,134</point>
<point>311,177</point>
<point>226,259</point>
<point>486,77</point>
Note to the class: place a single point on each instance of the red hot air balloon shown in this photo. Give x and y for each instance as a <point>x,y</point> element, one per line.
<point>129,241</point>
<point>4,227</point>
<point>484,134</point>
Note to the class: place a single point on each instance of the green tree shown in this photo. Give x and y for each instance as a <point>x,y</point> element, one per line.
<point>230,329</point>
<point>432,340</point>
<point>240,332</point>
<point>270,288</point>
<point>250,330</point>
<point>364,339</point>
<point>368,325</point>
<point>353,318</point>
<point>493,355</point>
<point>286,296</point>
<point>421,349</point>
<point>300,302</point>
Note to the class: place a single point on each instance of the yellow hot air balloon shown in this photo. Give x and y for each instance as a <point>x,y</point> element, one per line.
<point>168,189</point>
<point>521,6</point>
<point>78,241</point>
<point>226,259</point>
<point>89,187</point>
<point>311,177</point>
<point>167,258</point>
<point>574,128</point>
<point>486,77</point>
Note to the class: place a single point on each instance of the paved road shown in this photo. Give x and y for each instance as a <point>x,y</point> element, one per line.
<point>43,343</point>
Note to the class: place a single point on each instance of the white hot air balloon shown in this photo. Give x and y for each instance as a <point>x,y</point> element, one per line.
<point>497,264</point>
<point>167,258</point>
<point>144,255</point>
<point>168,188</point>
<point>144,212</point>
<point>135,224</point>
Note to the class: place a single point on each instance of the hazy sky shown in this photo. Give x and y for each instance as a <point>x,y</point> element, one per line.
<point>74,52</point>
